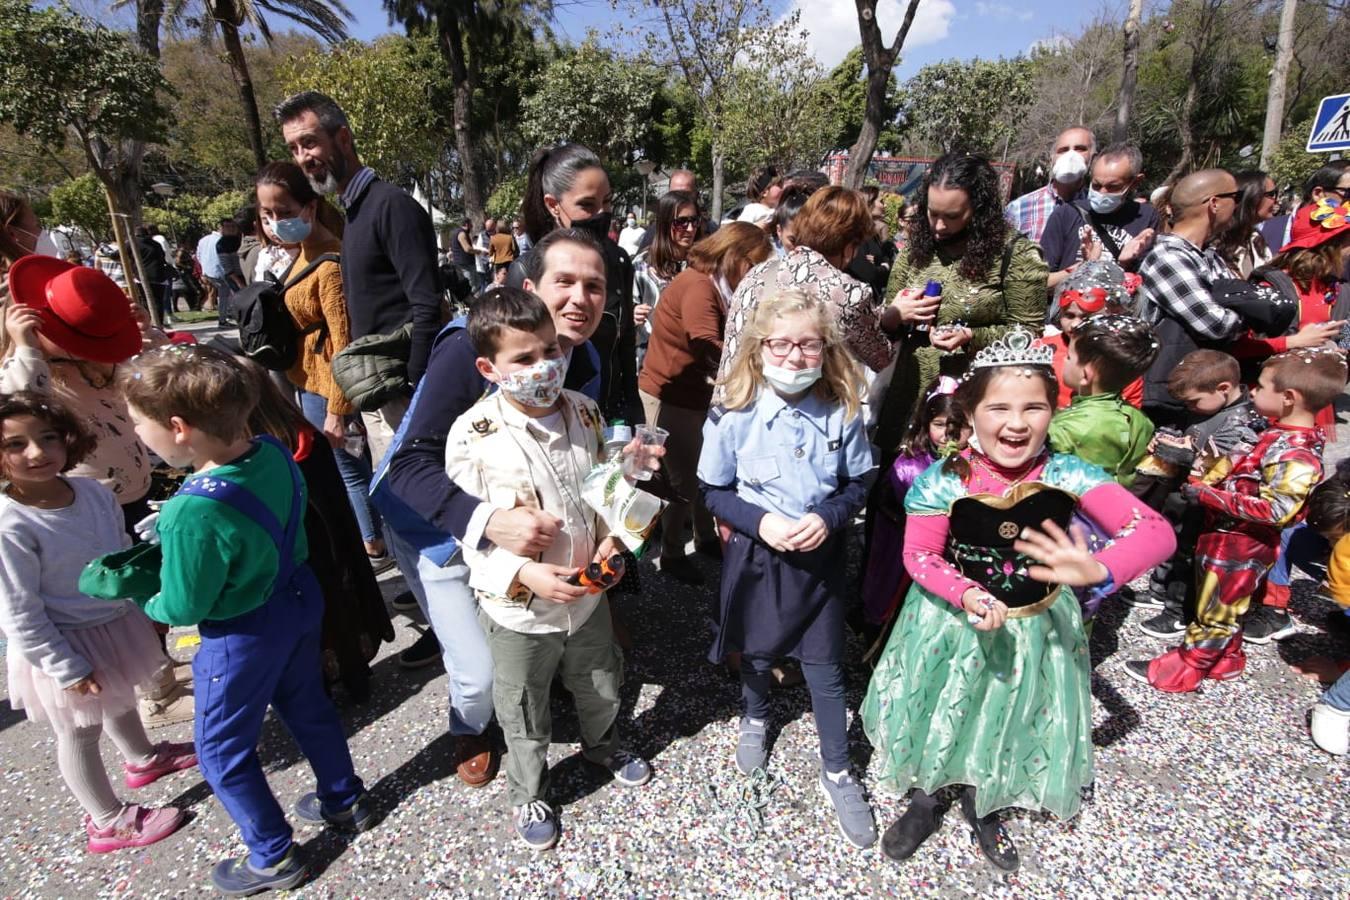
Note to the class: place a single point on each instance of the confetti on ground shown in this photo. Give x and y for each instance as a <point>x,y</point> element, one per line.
<point>1217,794</point>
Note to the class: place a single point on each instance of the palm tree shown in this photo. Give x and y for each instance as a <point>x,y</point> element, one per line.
<point>326,18</point>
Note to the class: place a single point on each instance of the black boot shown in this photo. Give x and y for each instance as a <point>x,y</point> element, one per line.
<point>907,833</point>
<point>990,834</point>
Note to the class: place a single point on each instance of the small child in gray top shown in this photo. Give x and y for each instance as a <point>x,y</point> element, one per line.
<point>73,660</point>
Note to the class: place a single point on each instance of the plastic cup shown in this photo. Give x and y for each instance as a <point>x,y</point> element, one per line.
<point>649,436</point>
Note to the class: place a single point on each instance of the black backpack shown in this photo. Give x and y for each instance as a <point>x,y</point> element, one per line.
<point>267,333</point>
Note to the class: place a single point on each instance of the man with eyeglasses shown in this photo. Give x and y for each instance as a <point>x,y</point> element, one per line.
<point>1107,224</point>
<point>1178,275</point>
<point>1330,183</point>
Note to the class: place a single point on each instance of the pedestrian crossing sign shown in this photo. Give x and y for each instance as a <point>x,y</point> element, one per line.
<point>1331,126</point>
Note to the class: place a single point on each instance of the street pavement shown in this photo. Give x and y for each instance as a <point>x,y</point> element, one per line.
<point>1215,794</point>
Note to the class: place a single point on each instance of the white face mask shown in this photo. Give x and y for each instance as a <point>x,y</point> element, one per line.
<point>537,386</point>
<point>791,381</point>
<point>1069,167</point>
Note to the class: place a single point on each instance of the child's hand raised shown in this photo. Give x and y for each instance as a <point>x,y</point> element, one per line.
<point>1064,559</point>
<point>808,532</point>
<point>775,531</point>
<point>22,323</point>
<point>86,685</point>
<point>550,582</point>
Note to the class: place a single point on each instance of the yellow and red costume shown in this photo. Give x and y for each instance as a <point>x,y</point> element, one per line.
<point>1264,492</point>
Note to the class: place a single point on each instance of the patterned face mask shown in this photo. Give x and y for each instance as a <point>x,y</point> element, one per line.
<point>537,386</point>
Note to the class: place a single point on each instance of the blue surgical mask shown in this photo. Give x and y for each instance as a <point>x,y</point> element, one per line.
<point>1105,204</point>
<point>291,231</point>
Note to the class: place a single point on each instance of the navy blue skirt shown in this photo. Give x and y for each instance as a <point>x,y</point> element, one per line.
<point>782,604</point>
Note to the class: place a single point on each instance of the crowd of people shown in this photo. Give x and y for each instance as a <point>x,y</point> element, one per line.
<point>1031,404</point>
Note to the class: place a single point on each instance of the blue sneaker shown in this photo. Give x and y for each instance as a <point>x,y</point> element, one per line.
<point>627,769</point>
<point>536,825</point>
<point>751,750</point>
<point>238,878</point>
<point>358,817</point>
<point>852,810</point>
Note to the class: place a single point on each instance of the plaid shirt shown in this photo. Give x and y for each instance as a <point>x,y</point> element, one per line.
<point>1030,212</point>
<point>1177,276</point>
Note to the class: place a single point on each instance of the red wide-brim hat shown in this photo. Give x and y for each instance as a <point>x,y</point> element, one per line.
<point>1317,223</point>
<point>83,311</point>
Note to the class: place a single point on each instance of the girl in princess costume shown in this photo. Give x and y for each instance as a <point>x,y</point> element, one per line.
<point>984,683</point>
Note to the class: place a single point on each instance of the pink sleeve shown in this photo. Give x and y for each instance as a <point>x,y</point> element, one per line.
<point>1140,538</point>
<point>925,539</point>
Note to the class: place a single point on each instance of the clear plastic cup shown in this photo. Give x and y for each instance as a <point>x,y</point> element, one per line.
<point>649,436</point>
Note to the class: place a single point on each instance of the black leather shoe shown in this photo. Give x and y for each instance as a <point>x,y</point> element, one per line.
<point>990,834</point>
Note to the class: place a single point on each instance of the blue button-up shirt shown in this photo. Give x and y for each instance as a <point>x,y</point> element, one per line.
<point>209,258</point>
<point>784,457</point>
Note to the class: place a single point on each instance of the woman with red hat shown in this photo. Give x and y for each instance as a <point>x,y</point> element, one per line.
<point>66,328</point>
<point>1315,260</point>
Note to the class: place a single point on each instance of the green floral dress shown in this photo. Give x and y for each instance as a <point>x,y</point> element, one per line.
<point>988,308</point>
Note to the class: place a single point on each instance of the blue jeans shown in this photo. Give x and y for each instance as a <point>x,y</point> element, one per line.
<point>447,602</point>
<point>1338,695</point>
<point>355,471</point>
<point>269,656</point>
<point>1303,548</point>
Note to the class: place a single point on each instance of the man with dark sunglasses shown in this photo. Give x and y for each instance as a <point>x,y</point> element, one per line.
<point>1178,273</point>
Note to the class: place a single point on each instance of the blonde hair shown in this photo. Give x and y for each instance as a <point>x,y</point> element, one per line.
<point>841,377</point>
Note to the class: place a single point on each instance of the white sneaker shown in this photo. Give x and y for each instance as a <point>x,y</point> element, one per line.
<point>1331,729</point>
<point>175,707</point>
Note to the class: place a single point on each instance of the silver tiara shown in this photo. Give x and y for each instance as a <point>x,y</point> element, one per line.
<point>1014,349</point>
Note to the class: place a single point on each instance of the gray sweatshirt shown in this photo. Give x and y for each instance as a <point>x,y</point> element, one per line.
<point>42,552</point>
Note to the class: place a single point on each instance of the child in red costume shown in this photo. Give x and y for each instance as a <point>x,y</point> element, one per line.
<point>1264,492</point>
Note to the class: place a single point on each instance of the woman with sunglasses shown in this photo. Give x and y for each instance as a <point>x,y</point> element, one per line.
<point>1241,245</point>
<point>677,224</point>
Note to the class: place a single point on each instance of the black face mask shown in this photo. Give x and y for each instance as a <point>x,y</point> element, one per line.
<point>228,243</point>
<point>597,224</point>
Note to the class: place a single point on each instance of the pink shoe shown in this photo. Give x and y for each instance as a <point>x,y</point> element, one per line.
<point>169,758</point>
<point>135,826</point>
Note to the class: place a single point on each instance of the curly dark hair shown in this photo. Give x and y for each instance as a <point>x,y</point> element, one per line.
<point>79,441</point>
<point>987,231</point>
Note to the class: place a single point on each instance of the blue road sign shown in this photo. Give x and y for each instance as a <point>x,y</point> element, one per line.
<point>1331,126</point>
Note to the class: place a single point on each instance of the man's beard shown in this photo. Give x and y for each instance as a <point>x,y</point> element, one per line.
<point>336,171</point>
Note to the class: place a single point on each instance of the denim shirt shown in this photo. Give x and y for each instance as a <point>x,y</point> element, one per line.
<point>785,457</point>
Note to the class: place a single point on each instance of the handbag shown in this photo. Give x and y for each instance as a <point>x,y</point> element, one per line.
<point>131,574</point>
<point>373,370</point>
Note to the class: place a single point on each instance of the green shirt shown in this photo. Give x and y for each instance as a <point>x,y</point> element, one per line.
<point>988,307</point>
<point>1104,430</point>
<point>218,563</point>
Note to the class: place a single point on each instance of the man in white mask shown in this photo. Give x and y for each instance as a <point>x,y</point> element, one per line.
<point>1109,223</point>
<point>1070,158</point>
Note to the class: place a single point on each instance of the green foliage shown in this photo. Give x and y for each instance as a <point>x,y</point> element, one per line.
<point>222,205</point>
<point>1291,164</point>
<point>208,147</point>
<point>592,96</point>
<point>64,73</point>
<point>81,203</point>
<point>392,91</point>
<point>847,89</point>
<point>506,199</point>
<point>778,107</point>
<point>972,106</point>
<point>171,223</point>
<point>895,207</point>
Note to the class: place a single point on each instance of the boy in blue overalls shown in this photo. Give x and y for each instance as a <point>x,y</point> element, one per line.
<point>234,553</point>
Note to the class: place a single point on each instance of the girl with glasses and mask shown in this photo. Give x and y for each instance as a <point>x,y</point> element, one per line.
<point>292,216</point>
<point>785,466</point>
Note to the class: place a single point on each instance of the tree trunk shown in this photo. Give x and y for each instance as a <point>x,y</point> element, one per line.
<point>1129,73</point>
<point>452,47</point>
<point>1279,77</point>
<point>880,60</point>
<point>719,181</point>
<point>234,47</point>
<point>1187,134</point>
<point>149,14</point>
